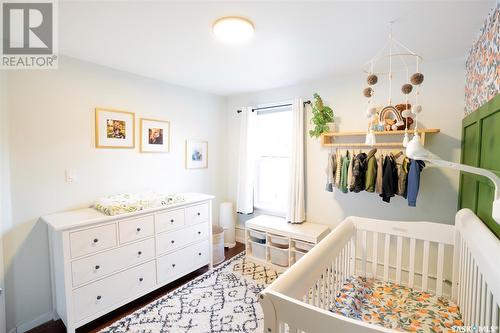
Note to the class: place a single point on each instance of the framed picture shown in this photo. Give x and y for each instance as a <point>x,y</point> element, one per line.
<point>114,129</point>
<point>155,136</point>
<point>196,154</point>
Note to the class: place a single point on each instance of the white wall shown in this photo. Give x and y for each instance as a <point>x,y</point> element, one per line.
<point>52,128</point>
<point>4,191</point>
<point>443,101</point>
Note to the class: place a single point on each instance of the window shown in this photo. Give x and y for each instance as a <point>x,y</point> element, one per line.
<point>273,147</point>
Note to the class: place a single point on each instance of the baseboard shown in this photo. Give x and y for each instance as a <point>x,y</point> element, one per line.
<point>24,327</point>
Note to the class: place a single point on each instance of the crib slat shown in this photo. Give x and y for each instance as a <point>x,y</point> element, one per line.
<point>483,303</point>
<point>332,283</point>
<point>488,306</point>
<point>468,288</point>
<point>425,266</point>
<point>318,292</point>
<point>313,301</point>
<point>363,253</point>
<point>411,273</point>
<point>399,255</point>
<point>337,282</point>
<point>479,292</point>
<point>440,263</point>
<point>474,295</point>
<point>494,312</point>
<point>386,256</point>
<point>461,273</point>
<point>465,282</point>
<point>352,257</point>
<point>375,254</point>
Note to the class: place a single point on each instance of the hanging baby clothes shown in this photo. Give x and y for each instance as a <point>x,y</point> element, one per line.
<point>338,168</point>
<point>371,170</point>
<point>389,179</point>
<point>380,172</point>
<point>414,181</point>
<point>358,173</point>
<point>402,166</point>
<point>343,173</point>
<point>349,171</point>
<point>330,172</point>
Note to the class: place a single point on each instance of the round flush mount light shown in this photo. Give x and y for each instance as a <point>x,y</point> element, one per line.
<point>233,29</point>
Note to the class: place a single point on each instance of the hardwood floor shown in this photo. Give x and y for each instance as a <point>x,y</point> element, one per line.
<point>108,319</point>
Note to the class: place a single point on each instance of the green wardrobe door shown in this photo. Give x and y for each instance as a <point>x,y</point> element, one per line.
<point>481,147</point>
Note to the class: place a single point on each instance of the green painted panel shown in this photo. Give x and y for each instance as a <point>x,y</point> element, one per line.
<point>481,147</point>
<point>484,205</point>
<point>490,142</point>
<point>470,142</point>
<point>468,198</point>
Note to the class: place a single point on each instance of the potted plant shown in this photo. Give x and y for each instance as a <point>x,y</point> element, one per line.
<point>322,118</point>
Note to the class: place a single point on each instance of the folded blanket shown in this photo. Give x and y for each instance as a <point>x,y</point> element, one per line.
<point>131,202</point>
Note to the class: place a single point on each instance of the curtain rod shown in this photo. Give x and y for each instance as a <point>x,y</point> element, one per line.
<point>273,106</point>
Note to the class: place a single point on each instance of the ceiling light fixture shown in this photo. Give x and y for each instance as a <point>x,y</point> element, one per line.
<point>233,29</point>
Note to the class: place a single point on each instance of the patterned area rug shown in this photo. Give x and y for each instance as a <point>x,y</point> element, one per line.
<point>222,300</point>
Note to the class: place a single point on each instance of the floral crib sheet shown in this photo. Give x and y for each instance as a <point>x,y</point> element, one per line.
<point>131,202</point>
<point>396,307</point>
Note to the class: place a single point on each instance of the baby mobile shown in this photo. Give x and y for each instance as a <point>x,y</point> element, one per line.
<point>400,116</point>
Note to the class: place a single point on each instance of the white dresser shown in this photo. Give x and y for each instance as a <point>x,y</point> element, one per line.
<point>102,262</point>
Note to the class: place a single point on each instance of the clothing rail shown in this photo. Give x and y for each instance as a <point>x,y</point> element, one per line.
<point>272,107</point>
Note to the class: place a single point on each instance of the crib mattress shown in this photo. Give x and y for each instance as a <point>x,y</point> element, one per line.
<point>395,306</point>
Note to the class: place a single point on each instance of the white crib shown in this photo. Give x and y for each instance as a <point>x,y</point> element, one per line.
<point>461,262</point>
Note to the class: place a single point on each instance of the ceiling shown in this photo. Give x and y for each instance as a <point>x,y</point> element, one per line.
<point>294,41</point>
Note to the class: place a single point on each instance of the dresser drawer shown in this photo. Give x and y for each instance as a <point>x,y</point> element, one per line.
<point>92,240</point>
<point>178,263</point>
<point>93,267</point>
<point>105,293</point>
<point>173,240</point>
<point>135,229</point>
<point>169,220</point>
<point>197,214</point>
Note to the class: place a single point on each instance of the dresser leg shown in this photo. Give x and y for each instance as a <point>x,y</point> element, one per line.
<point>70,329</point>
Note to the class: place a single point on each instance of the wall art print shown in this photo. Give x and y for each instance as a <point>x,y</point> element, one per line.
<point>482,78</point>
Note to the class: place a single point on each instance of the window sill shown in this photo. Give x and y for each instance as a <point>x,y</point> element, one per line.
<point>269,211</point>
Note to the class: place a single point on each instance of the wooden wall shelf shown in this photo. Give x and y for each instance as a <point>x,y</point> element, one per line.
<point>327,139</point>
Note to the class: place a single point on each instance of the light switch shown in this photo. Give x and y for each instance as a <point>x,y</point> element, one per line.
<point>71,176</point>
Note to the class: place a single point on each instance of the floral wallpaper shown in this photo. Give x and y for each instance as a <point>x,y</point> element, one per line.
<point>482,77</point>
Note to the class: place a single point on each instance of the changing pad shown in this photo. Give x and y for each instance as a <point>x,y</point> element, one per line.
<point>395,306</point>
<point>131,202</point>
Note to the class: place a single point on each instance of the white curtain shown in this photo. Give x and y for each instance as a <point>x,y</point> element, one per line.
<point>246,162</point>
<point>296,210</point>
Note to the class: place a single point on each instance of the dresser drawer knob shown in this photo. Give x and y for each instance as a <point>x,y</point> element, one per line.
<point>139,253</point>
<point>199,253</point>
<point>138,229</point>
<point>173,265</point>
<point>199,214</point>
<point>97,267</point>
<point>172,241</point>
<point>98,297</point>
<point>95,240</point>
<point>141,279</point>
<point>172,221</point>
<point>199,232</point>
